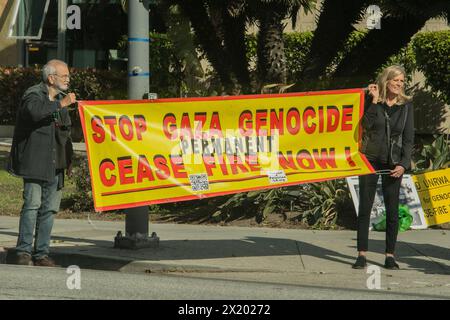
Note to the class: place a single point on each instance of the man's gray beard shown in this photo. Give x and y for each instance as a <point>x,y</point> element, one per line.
<point>62,88</point>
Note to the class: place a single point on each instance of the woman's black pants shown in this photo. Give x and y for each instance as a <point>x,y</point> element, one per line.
<point>391,195</point>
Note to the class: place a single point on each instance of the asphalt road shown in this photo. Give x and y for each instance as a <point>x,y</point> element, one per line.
<point>20,282</point>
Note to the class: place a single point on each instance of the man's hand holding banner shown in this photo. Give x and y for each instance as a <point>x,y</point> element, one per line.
<point>153,151</point>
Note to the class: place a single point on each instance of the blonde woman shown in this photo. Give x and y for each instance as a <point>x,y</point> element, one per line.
<point>388,134</point>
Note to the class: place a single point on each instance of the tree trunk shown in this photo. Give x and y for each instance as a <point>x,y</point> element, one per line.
<point>234,37</point>
<point>270,48</point>
<point>232,30</point>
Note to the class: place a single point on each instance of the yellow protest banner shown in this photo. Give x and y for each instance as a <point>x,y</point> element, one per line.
<point>434,193</point>
<point>153,151</point>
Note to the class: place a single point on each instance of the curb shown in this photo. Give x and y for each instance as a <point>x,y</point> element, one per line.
<point>3,254</point>
<point>85,261</point>
<point>126,265</point>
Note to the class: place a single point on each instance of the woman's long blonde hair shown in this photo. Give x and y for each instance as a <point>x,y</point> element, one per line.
<point>387,74</point>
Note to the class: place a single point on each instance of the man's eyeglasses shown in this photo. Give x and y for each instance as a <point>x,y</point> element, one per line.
<point>64,77</point>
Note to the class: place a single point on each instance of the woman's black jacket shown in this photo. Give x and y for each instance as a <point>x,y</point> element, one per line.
<point>375,143</point>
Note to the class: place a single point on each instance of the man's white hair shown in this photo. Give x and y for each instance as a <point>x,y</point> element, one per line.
<point>50,68</point>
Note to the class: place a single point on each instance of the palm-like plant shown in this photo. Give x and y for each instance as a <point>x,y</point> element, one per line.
<point>269,16</point>
<point>209,35</point>
<point>257,203</point>
<point>434,156</point>
<point>325,200</point>
<point>220,26</point>
<point>400,21</point>
<point>334,25</point>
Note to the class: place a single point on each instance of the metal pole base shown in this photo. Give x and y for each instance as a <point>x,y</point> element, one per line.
<point>137,241</point>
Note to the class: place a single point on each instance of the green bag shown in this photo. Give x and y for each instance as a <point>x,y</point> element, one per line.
<point>405,220</point>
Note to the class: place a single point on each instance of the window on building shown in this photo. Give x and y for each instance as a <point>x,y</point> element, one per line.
<point>28,19</point>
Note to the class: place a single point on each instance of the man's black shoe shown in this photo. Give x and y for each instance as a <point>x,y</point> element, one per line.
<point>390,263</point>
<point>360,263</point>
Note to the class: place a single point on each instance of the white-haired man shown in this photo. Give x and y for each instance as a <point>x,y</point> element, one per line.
<point>39,154</point>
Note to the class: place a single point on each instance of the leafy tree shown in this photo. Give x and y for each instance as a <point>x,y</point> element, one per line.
<point>434,156</point>
<point>432,52</point>
<point>269,16</point>
<point>220,33</point>
<point>400,21</point>
<point>334,27</point>
<point>220,28</point>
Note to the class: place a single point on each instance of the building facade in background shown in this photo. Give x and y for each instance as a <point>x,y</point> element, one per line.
<point>93,44</point>
<point>103,24</point>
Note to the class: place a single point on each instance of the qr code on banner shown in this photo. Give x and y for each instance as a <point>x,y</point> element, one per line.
<point>199,182</point>
<point>277,176</point>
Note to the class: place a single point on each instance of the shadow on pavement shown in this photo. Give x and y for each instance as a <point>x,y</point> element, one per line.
<point>408,253</point>
<point>100,254</point>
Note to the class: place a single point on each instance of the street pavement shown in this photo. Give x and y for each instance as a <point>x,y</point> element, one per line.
<point>270,256</point>
<point>23,283</point>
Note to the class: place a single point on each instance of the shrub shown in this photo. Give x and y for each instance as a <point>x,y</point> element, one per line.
<point>82,198</point>
<point>328,200</point>
<point>432,52</point>
<point>405,58</point>
<point>433,156</point>
<point>94,84</point>
<point>255,203</point>
<point>297,46</point>
<point>353,40</point>
<point>14,82</point>
<point>321,205</point>
<point>88,84</point>
<point>168,70</point>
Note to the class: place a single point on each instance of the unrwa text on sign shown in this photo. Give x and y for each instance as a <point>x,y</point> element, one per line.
<point>434,192</point>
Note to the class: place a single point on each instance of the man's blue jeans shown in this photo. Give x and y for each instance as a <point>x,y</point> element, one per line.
<point>41,201</point>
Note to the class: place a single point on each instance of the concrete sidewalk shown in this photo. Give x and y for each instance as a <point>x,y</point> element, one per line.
<point>288,256</point>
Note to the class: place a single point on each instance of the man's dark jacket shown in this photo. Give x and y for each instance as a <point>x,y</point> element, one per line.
<point>40,143</point>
